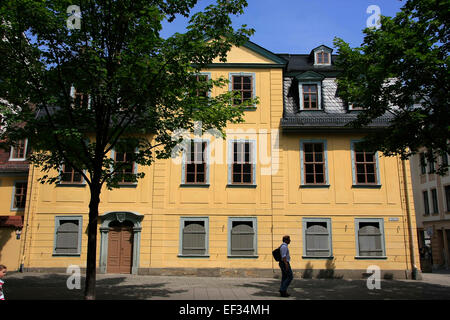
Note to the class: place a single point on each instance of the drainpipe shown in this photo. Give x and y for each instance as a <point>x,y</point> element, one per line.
<point>414,273</point>
<point>25,227</point>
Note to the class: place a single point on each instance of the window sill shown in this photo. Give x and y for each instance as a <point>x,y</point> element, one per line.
<point>194,185</point>
<point>66,255</point>
<point>79,185</point>
<point>250,108</point>
<point>127,185</point>
<point>318,258</point>
<point>241,186</point>
<point>17,209</point>
<point>313,186</point>
<point>242,257</point>
<point>192,256</point>
<point>321,110</point>
<point>366,186</point>
<point>371,258</point>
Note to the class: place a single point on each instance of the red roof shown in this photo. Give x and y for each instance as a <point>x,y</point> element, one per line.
<point>11,221</point>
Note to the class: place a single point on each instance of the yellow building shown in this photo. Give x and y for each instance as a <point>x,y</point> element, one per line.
<point>291,168</point>
<point>13,195</point>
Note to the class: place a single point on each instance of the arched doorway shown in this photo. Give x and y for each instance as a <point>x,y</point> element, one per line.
<point>120,242</point>
<point>120,247</point>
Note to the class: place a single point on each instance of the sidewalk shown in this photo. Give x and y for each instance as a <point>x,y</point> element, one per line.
<point>36,286</point>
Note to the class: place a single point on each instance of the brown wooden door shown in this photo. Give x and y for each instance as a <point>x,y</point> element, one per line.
<point>120,249</point>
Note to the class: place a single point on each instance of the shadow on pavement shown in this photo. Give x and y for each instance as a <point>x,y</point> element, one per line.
<point>338,289</point>
<point>54,287</point>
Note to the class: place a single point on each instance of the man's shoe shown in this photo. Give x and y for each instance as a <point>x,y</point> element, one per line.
<point>284,294</point>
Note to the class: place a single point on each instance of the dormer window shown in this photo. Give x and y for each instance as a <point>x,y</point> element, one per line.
<point>322,57</point>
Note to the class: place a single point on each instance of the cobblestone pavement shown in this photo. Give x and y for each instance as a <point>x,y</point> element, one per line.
<point>37,286</point>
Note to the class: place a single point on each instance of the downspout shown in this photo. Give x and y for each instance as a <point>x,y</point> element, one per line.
<point>30,182</point>
<point>414,272</point>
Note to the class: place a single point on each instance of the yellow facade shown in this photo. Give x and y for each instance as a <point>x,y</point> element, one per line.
<point>277,202</point>
<point>9,244</point>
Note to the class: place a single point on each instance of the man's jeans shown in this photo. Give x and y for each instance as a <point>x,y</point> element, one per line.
<point>286,276</point>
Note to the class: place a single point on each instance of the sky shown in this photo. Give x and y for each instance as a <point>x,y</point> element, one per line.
<point>298,26</point>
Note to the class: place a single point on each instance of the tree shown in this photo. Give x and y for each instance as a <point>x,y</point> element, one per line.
<point>135,88</point>
<point>402,69</point>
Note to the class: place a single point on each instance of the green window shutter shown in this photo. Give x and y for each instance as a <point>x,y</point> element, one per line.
<point>194,238</point>
<point>67,237</point>
<point>370,242</point>
<point>242,238</point>
<point>317,239</point>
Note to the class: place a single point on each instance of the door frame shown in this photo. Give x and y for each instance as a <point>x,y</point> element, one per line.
<point>120,216</point>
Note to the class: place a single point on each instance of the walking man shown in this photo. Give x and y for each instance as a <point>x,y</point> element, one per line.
<point>286,271</point>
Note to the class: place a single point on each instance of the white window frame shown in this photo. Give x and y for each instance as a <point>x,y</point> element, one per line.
<point>183,220</point>
<point>183,164</point>
<point>135,167</point>
<point>13,208</point>
<point>316,62</point>
<point>24,153</point>
<point>252,161</point>
<point>319,94</point>
<point>353,158</point>
<point>302,169</point>
<point>244,74</point>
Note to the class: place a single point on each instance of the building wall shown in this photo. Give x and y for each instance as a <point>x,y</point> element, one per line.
<point>434,226</point>
<point>277,202</point>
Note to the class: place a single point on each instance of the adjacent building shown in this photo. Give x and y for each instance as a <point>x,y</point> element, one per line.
<point>432,203</point>
<point>14,170</point>
<point>224,204</point>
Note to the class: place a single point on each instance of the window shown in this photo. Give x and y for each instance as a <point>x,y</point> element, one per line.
<point>426,205</point>
<point>310,99</point>
<point>195,165</point>
<point>365,166</point>
<point>126,167</point>
<point>316,237</point>
<point>444,157</point>
<point>242,237</point>
<point>423,163</point>
<point>354,106</point>
<point>242,165</point>
<point>322,57</point>
<point>68,175</point>
<point>435,201</point>
<point>314,163</point>
<point>67,235</point>
<point>80,100</point>
<point>18,150</point>
<point>194,237</point>
<point>370,237</point>
<point>202,92</point>
<point>244,85</point>
<point>447,197</point>
<point>431,168</point>
<point>19,195</point>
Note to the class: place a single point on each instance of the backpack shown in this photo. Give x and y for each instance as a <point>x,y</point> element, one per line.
<point>277,254</point>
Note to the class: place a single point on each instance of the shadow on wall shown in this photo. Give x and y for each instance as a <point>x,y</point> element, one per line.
<point>327,273</point>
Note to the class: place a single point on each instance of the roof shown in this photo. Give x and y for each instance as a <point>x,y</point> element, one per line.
<point>305,62</point>
<point>11,221</point>
<point>319,121</point>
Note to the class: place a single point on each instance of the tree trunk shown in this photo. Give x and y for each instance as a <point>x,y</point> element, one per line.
<point>91,265</point>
